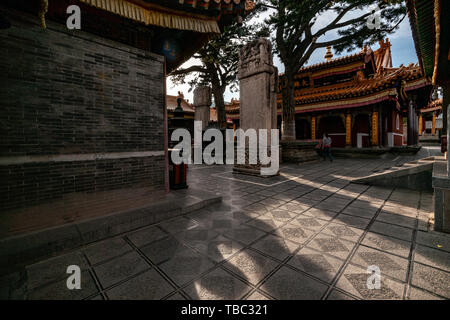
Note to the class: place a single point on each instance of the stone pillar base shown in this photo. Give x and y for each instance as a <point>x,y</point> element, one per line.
<point>252,170</point>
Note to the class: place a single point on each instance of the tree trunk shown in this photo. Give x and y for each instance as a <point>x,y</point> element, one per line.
<point>288,106</point>
<point>220,107</point>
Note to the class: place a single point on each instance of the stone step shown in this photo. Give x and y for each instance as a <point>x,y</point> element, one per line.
<point>42,241</point>
<point>415,175</point>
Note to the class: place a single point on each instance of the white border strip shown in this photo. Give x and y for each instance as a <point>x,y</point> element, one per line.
<point>5,161</point>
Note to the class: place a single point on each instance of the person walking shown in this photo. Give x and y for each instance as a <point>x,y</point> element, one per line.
<point>326,147</point>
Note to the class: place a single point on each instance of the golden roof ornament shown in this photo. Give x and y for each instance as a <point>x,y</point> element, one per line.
<point>43,8</point>
<point>329,54</point>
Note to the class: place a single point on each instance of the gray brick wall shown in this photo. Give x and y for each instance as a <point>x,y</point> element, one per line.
<point>70,92</point>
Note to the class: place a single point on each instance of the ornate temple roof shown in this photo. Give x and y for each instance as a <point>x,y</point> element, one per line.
<point>193,15</point>
<point>366,77</point>
<point>431,38</point>
<point>435,105</point>
<point>358,92</point>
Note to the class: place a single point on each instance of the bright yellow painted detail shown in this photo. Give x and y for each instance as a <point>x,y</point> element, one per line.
<point>348,130</point>
<point>433,126</point>
<point>313,128</point>
<point>420,125</point>
<point>375,128</point>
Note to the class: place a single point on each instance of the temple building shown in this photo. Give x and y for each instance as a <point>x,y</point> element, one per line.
<point>360,100</point>
<point>84,110</point>
<point>430,119</point>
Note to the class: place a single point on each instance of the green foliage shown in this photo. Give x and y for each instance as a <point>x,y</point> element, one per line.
<point>219,58</point>
<point>297,36</point>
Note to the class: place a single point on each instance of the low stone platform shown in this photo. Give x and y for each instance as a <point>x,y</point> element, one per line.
<point>441,185</point>
<point>78,219</point>
<point>374,152</point>
<point>299,151</point>
<point>415,175</point>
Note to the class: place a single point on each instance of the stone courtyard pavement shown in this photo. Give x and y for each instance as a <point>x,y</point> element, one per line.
<point>306,234</point>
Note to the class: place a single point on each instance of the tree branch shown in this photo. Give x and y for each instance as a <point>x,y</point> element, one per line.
<point>189,70</point>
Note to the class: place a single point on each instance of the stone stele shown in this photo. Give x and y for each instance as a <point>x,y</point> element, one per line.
<point>258,92</point>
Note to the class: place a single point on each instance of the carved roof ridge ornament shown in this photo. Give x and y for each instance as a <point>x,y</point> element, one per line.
<point>43,8</point>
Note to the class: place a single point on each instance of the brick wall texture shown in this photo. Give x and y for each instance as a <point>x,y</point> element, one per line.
<point>70,92</point>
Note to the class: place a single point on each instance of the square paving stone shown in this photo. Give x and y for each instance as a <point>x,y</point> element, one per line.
<point>186,266</point>
<point>389,244</point>
<point>176,296</point>
<point>331,206</point>
<point>149,285</point>
<point>343,232</point>
<point>179,224</point>
<point>145,236</point>
<point>163,250</point>
<point>327,244</point>
<point>434,239</point>
<point>401,209</point>
<point>389,264</point>
<point>397,219</point>
<point>417,294</point>
<point>257,208</point>
<point>374,205</point>
<point>244,234</point>
<point>355,281</point>
<point>218,248</point>
<point>257,296</point>
<point>59,290</point>
<point>196,235</point>
<point>53,269</point>
<point>432,257</point>
<point>217,285</point>
<point>352,221</point>
<point>338,295</point>
<point>320,213</point>
<point>392,230</point>
<point>250,265</point>
<point>286,284</point>
<point>317,264</point>
<point>119,269</point>
<point>431,279</point>
<point>306,202</point>
<point>281,215</point>
<point>368,212</point>
<point>271,202</point>
<point>241,216</point>
<point>276,247</point>
<point>294,207</point>
<point>294,233</point>
<point>107,249</point>
<point>266,223</point>
<point>309,222</point>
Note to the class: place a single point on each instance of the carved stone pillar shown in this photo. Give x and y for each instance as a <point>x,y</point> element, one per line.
<point>258,93</point>
<point>202,102</point>
<point>411,123</point>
